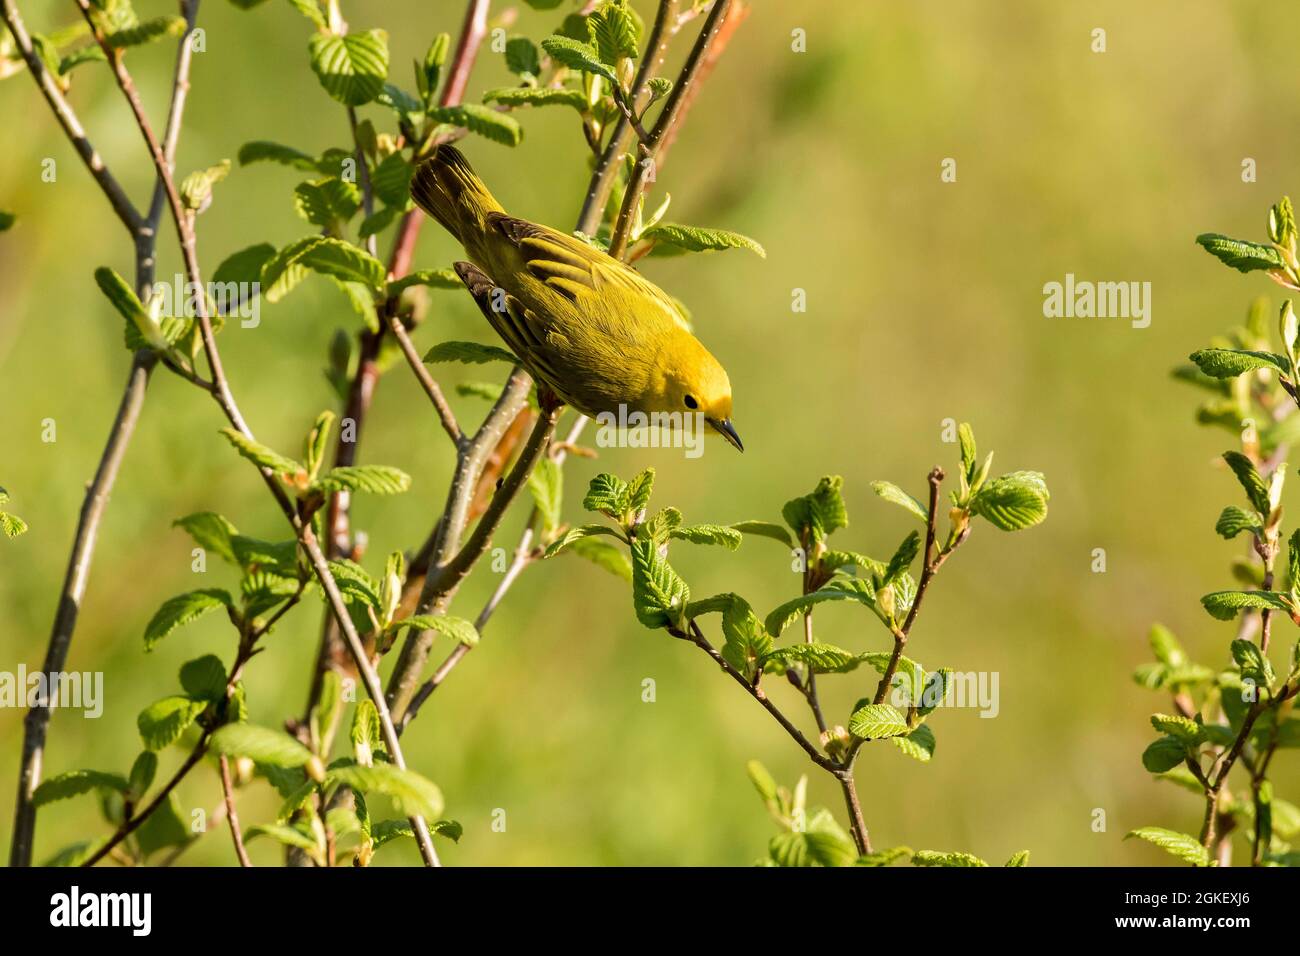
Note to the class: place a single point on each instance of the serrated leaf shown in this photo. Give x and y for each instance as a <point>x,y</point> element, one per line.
<point>1013,502</point>
<point>747,643</point>
<point>274,748</point>
<point>128,305</point>
<point>181,610</point>
<point>1233,521</point>
<point>577,55</point>
<point>146,31</point>
<point>607,495</point>
<point>162,722</point>
<point>210,531</point>
<point>325,255</point>
<point>573,535</point>
<point>795,849</point>
<point>1163,754</point>
<point>877,721</point>
<point>546,485</point>
<point>262,456</point>
<point>433,278</point>
<point>1249,478</point>
<point>884,857</point>
<point>238,280</point>
<point>413,794</point>
<point>937,858</point>
<point>1181,845</point>
<point>1186,730</point>
<point>352,67</point>
<point>374,479</point>
<point>285,834</point>
<point>765,529</point>
<point>896,495</point>
<point>457,628</point>
<point>515,96</point>
<point>470,353</point>
<point>1229,363</point>
<point>602,554</point>
<point>672,238</point>
<point>72,783</point>
<point>262,151</point>
<point>523,57</point>
<point>614,32</point>
<point>1239,254</point>
<point>1224,605</point>
<point>659,595</point>
<point>328,203</point>
<point>729,538</point>
<point>820,513</point>
<point>851,590</point>
<point>903,557</point>
<point>1254,665</point>
<point>204,678</point>
<point>822,658</point>
<point>196,188</point>
<point>482,120</point>
<point>919,744</point>
<point>355,582</point>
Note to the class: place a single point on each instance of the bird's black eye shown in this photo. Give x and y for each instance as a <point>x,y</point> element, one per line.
<point>691,402</point>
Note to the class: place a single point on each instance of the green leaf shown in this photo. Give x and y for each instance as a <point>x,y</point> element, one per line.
<point>204,678</point>
<point>328,203</point>
<point>308,8</point>
<point>375,479</point>
<point>285,834</point>
<point>128,305</point>
<point>546,485</point>
<point>143,771</point>
<point>1255,487</point>
<point>325,255</point>
<point>818,514</point>
<point>911,677</point>
<point>72,783</point>
<point>413,794</point>
<point>605,555</point>
<point>762,781</point>
<point>181,610</point>
<point>1014,501</point>
<point>470,353</point>
<point>523,57</point>
<point>261,151</point>
<point>884,857</point>
<point>608,495</point>
<point>903,557</point>
<point>852,590</point>
<point>146,31</point>
<point>482,120</point>
<point>12,525</point>
<point>1186,730</point>
<point>1224,605</point>
<point>515,96</point>
<point>274,748</point>
<point>896,495</point>
<point>1239,254</point>
<point>391,181</point>
<point>639,490</point>
<point>746,641</point>
<point>919,744</point>
<point>1229,363</point>
<point>729,538</point>
<point>811,849</point>
<point>659,596</point>
<point>237,281</point>
<point>937,858</point>
<point>674,239</point>
<point>876,721</point>
<point>1164,754</point>
<point>1166,647</point>
<point>352,67</point>
<point>577,55</point>
<point>1254,665</point>
<point>822,658</point>
<point>765,529</point>
<point>1186,848</point>
<point>262,456</point>
<point>196,188</point>
<point>165,827</point>
<point>433,278</point>
<point>162,722</point>
<point>457,628</point>
<point>355,582</point>
<point>614,32</point>
<point>1233,521</point>
<point>210,531</point>
<point>574,535</point>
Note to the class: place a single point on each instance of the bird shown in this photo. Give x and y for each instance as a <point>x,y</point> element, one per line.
<point>590,329</point>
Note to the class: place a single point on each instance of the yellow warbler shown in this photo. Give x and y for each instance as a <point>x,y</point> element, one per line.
<point>587,327</point>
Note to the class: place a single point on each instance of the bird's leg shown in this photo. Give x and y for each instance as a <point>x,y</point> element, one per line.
<point>547,400</point>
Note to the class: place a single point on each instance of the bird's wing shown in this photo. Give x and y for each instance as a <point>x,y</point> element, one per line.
<point>571,267</point>
<point>532,340</point>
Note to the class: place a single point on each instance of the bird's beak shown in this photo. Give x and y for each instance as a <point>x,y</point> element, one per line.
<point>727,430</point>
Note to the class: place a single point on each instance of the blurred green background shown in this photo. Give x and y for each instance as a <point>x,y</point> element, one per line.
<point>924,303</point>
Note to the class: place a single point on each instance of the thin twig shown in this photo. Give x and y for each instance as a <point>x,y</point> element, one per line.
<point>228,796</point>
<point>427,382</point>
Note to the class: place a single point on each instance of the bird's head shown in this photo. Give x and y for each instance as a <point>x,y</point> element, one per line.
<point>699,385</point>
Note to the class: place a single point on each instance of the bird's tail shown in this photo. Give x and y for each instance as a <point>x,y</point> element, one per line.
<point>447,189</point>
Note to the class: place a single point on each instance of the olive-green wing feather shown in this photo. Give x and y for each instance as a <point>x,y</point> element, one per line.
<point>571,267</point>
